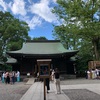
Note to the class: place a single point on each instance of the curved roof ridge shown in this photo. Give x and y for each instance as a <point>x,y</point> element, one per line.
<point>44,47</point>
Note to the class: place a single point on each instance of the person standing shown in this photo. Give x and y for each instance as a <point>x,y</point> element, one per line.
<point>52,75</point>
<point>7,78</point>
<point>13,77</point>
<point>97,73</point>
<point>3,77</point>
<point>57,81</point>
<point>47,80</point>
<point>18,76</point>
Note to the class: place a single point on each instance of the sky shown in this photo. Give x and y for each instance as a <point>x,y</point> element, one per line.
<point>37,13</point>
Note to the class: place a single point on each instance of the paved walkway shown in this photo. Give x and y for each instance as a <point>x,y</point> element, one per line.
<point>35,92</point>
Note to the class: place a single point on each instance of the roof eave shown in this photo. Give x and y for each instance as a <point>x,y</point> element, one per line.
<point>67,54</point>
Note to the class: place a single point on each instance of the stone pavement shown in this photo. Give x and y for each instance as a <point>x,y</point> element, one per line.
<point>13,92</point>
<point>81,86</point>
<point>36,92</point>
<point>72,89</point>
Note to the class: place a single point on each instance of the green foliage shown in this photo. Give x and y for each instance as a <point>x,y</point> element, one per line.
<point>65,34</point>
<point>85,56</point>
<point>12,33</point>
<point>6,67</point>
<point>40,38</point>
<point>80,28</point>
<point>15,46</point>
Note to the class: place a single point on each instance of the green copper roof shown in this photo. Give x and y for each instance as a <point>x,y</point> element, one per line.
<point>42,47</point>
<point>11,60</point>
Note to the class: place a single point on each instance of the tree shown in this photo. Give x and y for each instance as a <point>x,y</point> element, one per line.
<point>81,20</point>
<point>80,27</point>
<point>40,38</point>
<point>12,31</point>
<point>69,40</point>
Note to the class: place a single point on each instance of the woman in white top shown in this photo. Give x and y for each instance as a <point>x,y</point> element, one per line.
<point>18,76</point>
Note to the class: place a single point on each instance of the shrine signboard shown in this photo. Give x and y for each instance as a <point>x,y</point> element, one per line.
<point>44,71</point>
<point>44,68</point>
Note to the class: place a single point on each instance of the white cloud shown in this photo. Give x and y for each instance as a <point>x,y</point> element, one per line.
<point>18,7</point>
<point>25,9</point>
<point>43,10</point>
<point>3,4</point>
<point>33,23</point>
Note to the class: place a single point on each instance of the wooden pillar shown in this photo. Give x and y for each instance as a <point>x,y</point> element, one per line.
<point>44,90</point>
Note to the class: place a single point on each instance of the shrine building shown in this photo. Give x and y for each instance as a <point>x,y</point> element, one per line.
<point>31,51</point>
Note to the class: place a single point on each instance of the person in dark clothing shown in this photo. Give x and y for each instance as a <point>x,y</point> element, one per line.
<point>47,80</point>
<point>7,78</point>
<point>13,77</point>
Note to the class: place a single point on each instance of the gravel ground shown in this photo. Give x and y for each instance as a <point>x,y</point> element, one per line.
<point>81,94</point>
<point>13,92</point>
